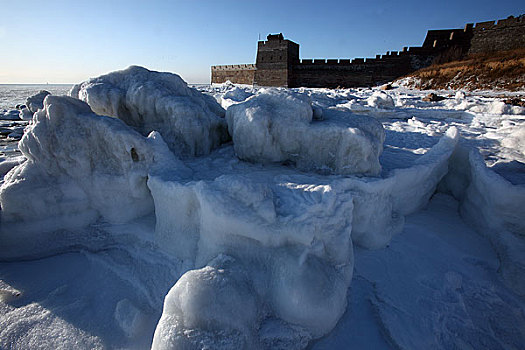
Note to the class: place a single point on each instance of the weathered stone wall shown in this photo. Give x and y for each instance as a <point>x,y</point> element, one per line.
<point>353,73</point>
<point>506,34</point>
<point>236,73</point>
<point>275,60</point>
<point>278,63</point>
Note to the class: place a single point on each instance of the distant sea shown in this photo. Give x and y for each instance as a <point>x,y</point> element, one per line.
<point>13,94</point>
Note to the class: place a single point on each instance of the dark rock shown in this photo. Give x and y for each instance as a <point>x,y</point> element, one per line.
<point>432,97</point>
<point>515,101</point>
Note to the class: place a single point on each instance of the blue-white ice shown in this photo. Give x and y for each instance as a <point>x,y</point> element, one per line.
<point>116,236</point>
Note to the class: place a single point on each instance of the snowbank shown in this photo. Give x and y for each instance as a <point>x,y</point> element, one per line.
<point>190,122</point>
<point>80,166</point>
<point>276,126</point>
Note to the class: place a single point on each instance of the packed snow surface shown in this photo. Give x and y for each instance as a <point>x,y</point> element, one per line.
<point>351,219</point>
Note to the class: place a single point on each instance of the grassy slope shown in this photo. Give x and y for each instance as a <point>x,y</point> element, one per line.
<point>500,70</point>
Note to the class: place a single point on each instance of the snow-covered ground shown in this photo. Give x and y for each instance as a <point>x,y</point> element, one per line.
<point>335,219</point>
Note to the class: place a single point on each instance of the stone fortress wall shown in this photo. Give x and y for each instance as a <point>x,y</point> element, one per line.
<point>278,62</point>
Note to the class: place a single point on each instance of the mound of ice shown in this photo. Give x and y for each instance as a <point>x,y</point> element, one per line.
<point>515,139</point>
<point>291,235</point>
<point>233,96</point>
<point>276,126</point>
<point>80,166</point>
<point>189,121</point>
<point>380,99</point>
<point>213,307</point>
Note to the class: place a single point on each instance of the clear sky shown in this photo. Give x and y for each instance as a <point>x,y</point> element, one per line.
<point>69,41</point>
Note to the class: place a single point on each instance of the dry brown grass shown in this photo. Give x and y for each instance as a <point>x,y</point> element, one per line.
<point>499,70</point>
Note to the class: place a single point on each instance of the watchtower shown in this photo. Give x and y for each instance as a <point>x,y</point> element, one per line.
<point>275,60</point>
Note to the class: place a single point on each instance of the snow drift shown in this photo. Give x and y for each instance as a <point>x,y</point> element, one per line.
<point>189,121</point>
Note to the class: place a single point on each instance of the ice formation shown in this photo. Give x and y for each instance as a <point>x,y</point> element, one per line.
<point>36,102</point>
<point>212,307</point>
<point>495,207</point>
<point>304,262</point>
<point>33,104</point>
<point>380,99</point>
<point>276,126</point>
<point>191,123</point>
<point>80,166</point>
<point>9,115</point>
<point>257,254</point>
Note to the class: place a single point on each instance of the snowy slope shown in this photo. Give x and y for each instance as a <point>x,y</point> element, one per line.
<point>246,249</point>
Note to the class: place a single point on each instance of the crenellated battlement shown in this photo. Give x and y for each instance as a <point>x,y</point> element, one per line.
<point>233,67</point>
<point>278,62</point>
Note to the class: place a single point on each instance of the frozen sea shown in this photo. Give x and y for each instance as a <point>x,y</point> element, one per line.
<point>450,278</point>
<point>14,94</point>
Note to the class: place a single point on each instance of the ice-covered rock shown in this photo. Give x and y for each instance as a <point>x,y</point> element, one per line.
<point>189,121</point>
<point>80,166</point>
<point>10,115</point>
<point>36,102</point>
<point>277,126</point>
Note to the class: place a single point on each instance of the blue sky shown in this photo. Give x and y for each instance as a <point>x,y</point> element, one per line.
<point>70,41</point>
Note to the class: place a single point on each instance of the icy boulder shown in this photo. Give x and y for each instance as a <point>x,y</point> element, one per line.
<point>80,166</point>
<point>277,126</point>
<point>213,307</point>
<point>36,102</point>
<point>291,235</point>
<point>189,121</point>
